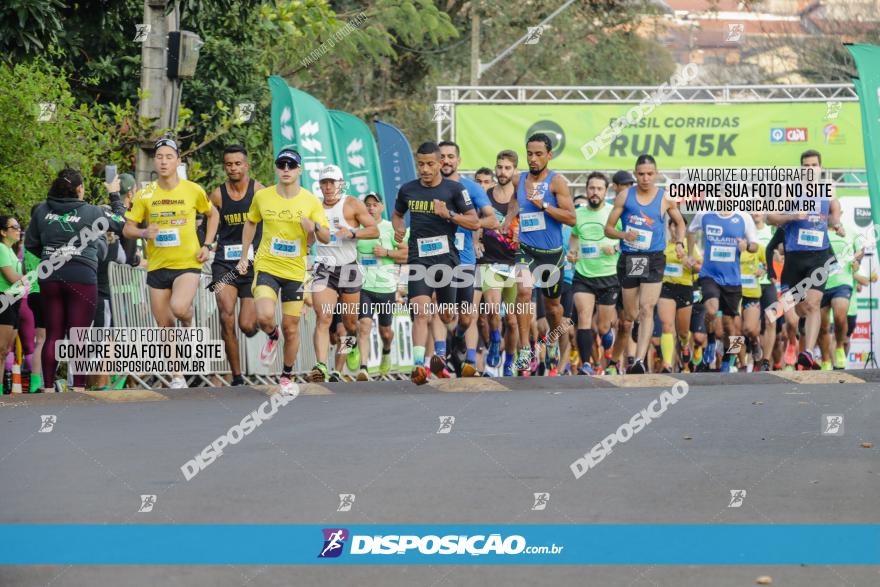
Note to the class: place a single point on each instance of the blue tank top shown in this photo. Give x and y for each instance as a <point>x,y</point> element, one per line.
<point>647,221</point>
<point>538,229</point>
<point>720,248</point>
<point>810,234</point>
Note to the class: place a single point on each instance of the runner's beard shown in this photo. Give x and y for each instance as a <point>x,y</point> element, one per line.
<point>444,173</point>
<point>537,172</point>
<point>503,180</point>
<point>593,204</point>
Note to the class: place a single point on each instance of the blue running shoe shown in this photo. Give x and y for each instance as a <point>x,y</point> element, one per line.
<point>494,357</point>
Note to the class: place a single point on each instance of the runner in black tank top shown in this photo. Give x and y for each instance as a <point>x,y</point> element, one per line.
<point>233,198</point>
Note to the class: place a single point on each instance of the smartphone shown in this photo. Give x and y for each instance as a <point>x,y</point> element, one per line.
<point>109,173</point>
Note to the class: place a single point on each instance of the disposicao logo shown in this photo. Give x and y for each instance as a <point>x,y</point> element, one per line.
<point>334,540</point>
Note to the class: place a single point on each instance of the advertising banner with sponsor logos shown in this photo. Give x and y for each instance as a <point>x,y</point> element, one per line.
<point>857,218</point>
<point>677,135</point>
<point>301,120</point>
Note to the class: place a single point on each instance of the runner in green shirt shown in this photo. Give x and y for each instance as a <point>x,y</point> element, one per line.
<point>10,289</point>
<point>379,258</point>
<point>595,271</point>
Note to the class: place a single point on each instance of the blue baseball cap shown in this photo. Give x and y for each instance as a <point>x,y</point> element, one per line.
<point>288,153</point>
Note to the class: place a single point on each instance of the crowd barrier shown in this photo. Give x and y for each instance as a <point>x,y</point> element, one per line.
<point>131,309</point>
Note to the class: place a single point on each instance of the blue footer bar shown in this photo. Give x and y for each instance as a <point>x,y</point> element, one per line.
<point>605,544</point>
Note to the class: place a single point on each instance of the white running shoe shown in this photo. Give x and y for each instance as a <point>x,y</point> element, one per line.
<point>288,387</point>
<point>178,383</point>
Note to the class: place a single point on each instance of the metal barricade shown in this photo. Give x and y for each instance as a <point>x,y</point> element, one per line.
<point>131,308</point>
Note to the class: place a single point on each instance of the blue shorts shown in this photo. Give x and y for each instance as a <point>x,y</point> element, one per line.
<point>841,291</point>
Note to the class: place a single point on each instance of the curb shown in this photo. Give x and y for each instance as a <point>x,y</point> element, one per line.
<point>475,385</point>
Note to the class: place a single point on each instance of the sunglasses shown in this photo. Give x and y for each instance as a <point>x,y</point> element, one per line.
<point>285,164</point>
<point>13,227</point>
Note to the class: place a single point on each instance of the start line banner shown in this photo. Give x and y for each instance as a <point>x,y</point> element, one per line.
<point>485,544</point>
<point>677,135</point>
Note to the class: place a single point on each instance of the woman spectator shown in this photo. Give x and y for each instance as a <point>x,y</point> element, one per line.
<point>10,273</point>
<point>69,293</point>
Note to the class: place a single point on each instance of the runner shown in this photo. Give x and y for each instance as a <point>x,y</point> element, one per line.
<point>675,306</point>
<point>768,293</point>
<point>485,179</point>
<point>437,207</point>
<point>233,199</point>
<point>10,277</point>
<point>336,272</point>
<point>806,250</point>
<point>642,262</point>
<point>290,215</point>
<point>497,267</point>
<point>465,335</point>
<point>169,206</point>
<point>621,182</point>
<point>595,280</point>
<point>725,237</point>
<point>752,269</point>
<point>849,251</point>
<point>543,205</point>
<point>379,258</point>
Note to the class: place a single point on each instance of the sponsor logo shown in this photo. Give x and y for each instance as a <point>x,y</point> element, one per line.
<point>861,330</point>
<point>862,216</point>
<point>796,135</point>
<point>832,424</point>
<point>777,135</point>
<point>714,230</point>
<point>334,541</point>
<point>832,134</point>
<point>552,130</point>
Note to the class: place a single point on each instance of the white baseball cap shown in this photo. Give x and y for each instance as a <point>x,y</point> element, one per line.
<point>331,172</point>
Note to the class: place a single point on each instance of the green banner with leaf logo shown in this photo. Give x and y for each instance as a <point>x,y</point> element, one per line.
<point>867,58</point>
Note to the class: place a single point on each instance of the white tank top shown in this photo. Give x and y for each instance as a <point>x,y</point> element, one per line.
<point>342,251</point>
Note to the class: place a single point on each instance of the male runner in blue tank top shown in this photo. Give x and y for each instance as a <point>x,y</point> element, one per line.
<point>725,236</point>
<point>543,204</point>
<point>642,210</point>
<point>806,250</point>
<point>233,200</point>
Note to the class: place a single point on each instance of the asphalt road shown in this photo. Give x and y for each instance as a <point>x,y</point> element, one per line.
<point>381,443</point>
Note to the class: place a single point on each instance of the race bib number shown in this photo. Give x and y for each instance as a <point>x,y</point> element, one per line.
<point>810,238</point>
<point>433,246</point>
<point>459,241</point>
<point>168,237</point>
<point>643,239</point>
<point>721,254</point>
<point>502,269</point>
<point>749,281</point>
<point>531,221</point>
<point>673,270</point>
<point>285,248</point>
<point>233,252</point>
<point>369,260</point>
<point>590,251</point>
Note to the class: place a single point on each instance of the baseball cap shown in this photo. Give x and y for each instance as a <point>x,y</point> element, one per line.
<point>580,196</point>
<point>126,183</point>
<point>372,195</point>
<point>331,172</point>
<point>623,177</point>
<point>288,154</point>
<point>167,142</point>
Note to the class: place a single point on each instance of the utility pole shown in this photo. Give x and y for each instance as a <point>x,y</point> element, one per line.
<point>161,95</point>
<point>475,46</point>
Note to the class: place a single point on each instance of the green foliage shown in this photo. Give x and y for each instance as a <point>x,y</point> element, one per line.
<point>25,24</point>
<point>32,151</point>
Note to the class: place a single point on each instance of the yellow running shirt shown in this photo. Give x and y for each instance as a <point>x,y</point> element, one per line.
<point>284,245</point>
<point>675,271</point>
<point>177,244</point>
<point>749,264</point>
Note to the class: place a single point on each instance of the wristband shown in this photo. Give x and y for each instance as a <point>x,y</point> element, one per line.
<point>452,214</point>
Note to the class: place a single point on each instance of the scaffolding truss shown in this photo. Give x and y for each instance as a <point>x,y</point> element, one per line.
<point>448,97</point>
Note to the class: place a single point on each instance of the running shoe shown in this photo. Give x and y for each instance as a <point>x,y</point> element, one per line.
<point>419,375</point>
<point>709,353</point>
<point>508,370</point>
<point>319,373</point>
<point>765,365</point>
<point>236,381</point>
<point>336,377</point>
<point>178,383</point>
<point>439,368</point>
<point>268,352</point>
<point>685,356</point>
<point>493,359</point>
<point>552,372</point>
<point>840,359</point>
<point>638,368</point>
<point>726,367</point>
<point>805,362</point>
<point>363,375</point>
<point>826,366</point>
<point>757,353</point>
<point>666,369</point>
<point>385,365</point>
<point>611,369</point>
<point>353,360</point>
<point>286,386</point>
<point>586,369</point>
<point>469,370</point>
